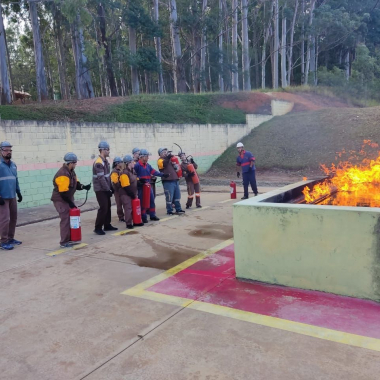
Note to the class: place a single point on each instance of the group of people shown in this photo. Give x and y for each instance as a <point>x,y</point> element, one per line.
<point>125,181</point>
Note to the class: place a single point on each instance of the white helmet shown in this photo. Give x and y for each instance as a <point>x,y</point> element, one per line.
<point>240,145</point>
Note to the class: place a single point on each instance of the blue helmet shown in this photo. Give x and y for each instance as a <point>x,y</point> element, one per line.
<point>104,145</point>
<point>70,157</point>
<point>117,160</point>
<point>135,150</point>
<point>144,152</point>
<point>127,159</point>
<point>5,144</point>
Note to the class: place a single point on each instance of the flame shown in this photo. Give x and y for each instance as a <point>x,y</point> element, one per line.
<point>349,180</point>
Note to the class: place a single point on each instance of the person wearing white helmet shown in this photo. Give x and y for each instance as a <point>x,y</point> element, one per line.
<point>9,187</point>
<point>117,167</point>
<point>65,184</point>
<point>246,163</point>
<point>102,186</point>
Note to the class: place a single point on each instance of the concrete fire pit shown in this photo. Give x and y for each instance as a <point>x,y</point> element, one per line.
<point>333,249</point>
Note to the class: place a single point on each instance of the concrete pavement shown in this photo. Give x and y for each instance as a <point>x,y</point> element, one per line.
<point>64,317</point>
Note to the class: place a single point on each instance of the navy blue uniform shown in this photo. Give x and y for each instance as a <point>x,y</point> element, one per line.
<point>244,160</point>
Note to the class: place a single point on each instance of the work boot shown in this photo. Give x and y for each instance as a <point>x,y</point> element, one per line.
<point>138,225</point>
<point>180,212</point>
<point>244,198</point>
<point>187,207</point>
<point>110,228</point>
<point>199,206</point>
<point>130,226</point>
<point>256,194</point>
<point>6,246</point>
<point>66,245</point>
<point>122,220</point>
<point>170,213</point>
<point>145,220</point>
<point>14,242</point>
<point>99,232</point>
<point>154,218</point>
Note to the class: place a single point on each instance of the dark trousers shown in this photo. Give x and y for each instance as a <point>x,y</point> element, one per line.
<point>8,219</point>
<point>249,178</point>
<point>119,205</point>
<point>126,202</point>
<point>104,213</point>
<point>63,210</point>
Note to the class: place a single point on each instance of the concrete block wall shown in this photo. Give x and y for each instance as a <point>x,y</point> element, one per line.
<point>280,107</point>
<point>39,147</point>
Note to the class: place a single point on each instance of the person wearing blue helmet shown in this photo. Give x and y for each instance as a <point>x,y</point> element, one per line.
<point>117,167</point>
<point>145,172</point>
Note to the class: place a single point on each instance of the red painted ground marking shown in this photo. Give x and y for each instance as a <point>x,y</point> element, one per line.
<point>212,280</point>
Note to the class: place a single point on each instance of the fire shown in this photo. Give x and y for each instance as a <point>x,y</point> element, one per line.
<point>350,180</point>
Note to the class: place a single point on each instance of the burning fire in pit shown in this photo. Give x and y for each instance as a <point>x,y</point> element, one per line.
<point>350,183</point>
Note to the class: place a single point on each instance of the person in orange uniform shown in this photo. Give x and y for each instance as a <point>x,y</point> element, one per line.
<point>117,168</point>
<point>128,189</point>
<point>65,184</point>
<point>192,188</point>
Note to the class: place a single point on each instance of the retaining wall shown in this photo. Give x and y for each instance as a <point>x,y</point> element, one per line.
<point>39,146</point>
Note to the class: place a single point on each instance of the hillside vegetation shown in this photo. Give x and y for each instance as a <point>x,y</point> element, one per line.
<point>302,141</point>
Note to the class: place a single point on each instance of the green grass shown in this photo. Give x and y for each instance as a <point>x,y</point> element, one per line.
<point>179,109</point>
<point>302,141</point>
<point>48,113</point>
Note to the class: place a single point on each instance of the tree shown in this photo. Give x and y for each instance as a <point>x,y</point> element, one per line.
<point>235,61</point>
<point>42,93</point>
<point>246,62</point>
<point>6,97</point>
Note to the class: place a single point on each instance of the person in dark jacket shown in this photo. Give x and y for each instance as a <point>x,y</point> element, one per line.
<point>128,189</point>
<point>65,184</point>
<point>102,186</point>
<point>193,189</point>
<point>170,183</point>
<point>117,168</point>
<point>9,187</point>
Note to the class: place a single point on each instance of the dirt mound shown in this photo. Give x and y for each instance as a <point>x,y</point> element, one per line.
<point>93,106</point>
<point>248,102</point>
<point>305,101</point>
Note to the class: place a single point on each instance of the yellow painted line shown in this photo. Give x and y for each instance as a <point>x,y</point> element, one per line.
<point>228,200</point>
<point>63,250</point>
<point>140,291</point>
<point>168,218</point>
<point>171,272</point>
<point>200,209</point>
<point>262,320</point>
<point>124,232</point>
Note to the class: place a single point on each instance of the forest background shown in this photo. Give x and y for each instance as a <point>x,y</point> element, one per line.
<point>65,49</point>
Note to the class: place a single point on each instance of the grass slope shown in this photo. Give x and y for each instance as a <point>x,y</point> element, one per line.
<point>179,109</point>
<point>302,141</point>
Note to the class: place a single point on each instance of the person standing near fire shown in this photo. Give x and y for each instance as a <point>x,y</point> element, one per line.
<point>193,189</point>
<point>117,167</point>
<point>246,163</point>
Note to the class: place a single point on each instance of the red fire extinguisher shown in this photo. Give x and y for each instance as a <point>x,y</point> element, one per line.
<point>146,195</point>
<point>233,190</point>
<point>191,169</point>
<point>75,228</point>
<point>136,212</point>
<point>177,166</point>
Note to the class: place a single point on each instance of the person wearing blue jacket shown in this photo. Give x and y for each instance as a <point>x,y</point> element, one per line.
<point>9,187</point>
<point>246,162</point>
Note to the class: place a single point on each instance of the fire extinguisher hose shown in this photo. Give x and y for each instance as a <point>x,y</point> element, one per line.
<point>84,200</point>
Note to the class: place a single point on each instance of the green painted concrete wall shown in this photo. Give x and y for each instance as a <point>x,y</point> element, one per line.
<point>325,248</point>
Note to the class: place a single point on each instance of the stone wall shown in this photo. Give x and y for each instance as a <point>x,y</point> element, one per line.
<point>39,146</point>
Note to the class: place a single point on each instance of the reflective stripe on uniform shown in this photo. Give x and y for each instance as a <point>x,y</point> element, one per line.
<point>9,177</point>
